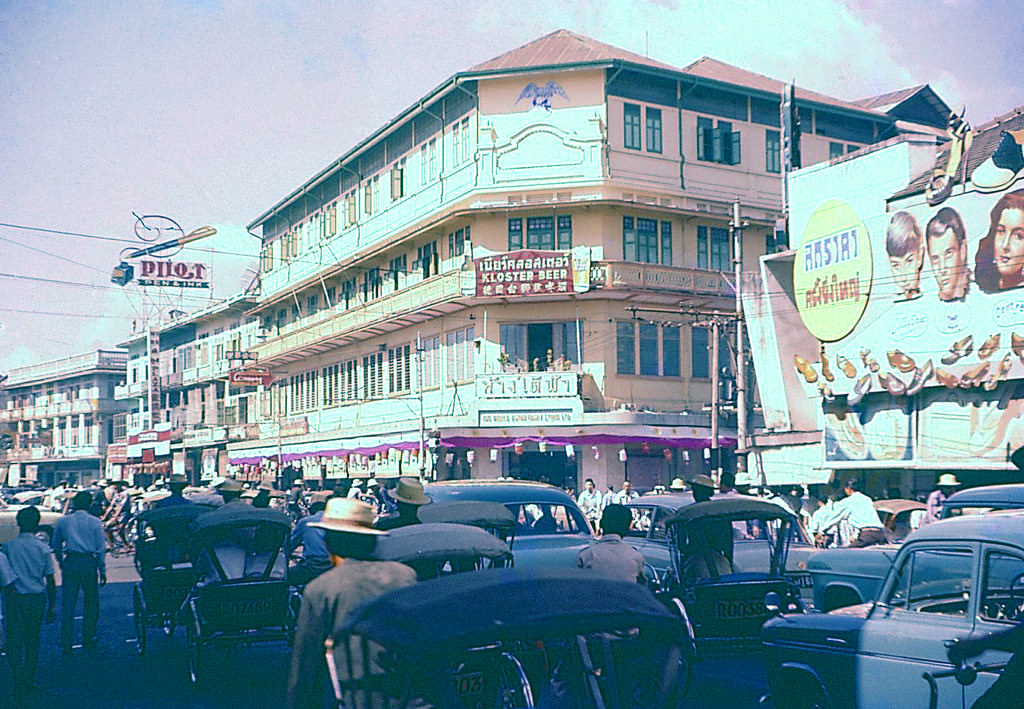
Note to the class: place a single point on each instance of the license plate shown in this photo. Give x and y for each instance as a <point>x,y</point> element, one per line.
<point>469,685</point>
<point>739,609</point>
<point>800,579</point>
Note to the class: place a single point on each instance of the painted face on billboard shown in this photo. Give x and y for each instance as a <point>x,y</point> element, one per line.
<point>904,245</point>
<point>906,271</point>
<point>1009,248</point>
<point>949,261</point>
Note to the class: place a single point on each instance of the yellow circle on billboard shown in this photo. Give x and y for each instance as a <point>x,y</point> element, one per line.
<point>832,271</point>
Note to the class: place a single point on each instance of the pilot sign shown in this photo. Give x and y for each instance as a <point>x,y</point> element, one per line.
<point>164,273</point>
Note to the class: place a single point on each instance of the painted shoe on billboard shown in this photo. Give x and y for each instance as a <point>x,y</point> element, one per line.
<point>1003,167</point>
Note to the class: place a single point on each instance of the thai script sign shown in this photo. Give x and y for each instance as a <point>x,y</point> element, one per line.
<point>527,385</point>
<point>518,273</point>
<point>832,271</point>
<point>173,274</point>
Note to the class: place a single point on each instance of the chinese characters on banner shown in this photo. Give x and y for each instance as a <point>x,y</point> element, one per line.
<point>525,272</point>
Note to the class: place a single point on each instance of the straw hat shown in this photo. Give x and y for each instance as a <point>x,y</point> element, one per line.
<point>346,514</point>
<point>229,485</point>
<point>948,480</point>
<point>177,479</point>
<point>410,491</point>
<point>677,485</point>
<point>702,480</point>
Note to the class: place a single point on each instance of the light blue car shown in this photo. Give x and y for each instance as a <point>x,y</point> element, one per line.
<point>951,579</point>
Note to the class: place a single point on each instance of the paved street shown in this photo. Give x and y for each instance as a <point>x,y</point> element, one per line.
<point>114,676</point>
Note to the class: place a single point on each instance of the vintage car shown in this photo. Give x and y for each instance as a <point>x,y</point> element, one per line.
<point>900,517</point>
<point>951,579</point>
<point>9,523</point>
<point>649,536</point>
<point>844,576</point>
<point>550,529</point>
<point>979,500</point>
<point>727,554</point>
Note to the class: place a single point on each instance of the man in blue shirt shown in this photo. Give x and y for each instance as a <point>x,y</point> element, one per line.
<point>176,484</point>
<point>81,549</point>
<point>315,559</point>
<point>32,593</point>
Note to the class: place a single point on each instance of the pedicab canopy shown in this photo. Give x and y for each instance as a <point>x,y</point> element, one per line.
<point>491,516</point>
<point>441,542</point>
<point>164,535</point>
<point>240,542</point>
<point>462,610</point>
<point>734,507</point>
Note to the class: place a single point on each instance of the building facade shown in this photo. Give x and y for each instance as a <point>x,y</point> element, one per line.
<point>58,418</point>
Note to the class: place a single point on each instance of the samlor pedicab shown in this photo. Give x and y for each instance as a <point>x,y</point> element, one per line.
<point>163,560</point>
<point>491,517</point>
<point>438,548</point>
<point>511,638</point>
<point>241,595</point>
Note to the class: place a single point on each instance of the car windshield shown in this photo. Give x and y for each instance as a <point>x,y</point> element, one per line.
<point>545,518</point>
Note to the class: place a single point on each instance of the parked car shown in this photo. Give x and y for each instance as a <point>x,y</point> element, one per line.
<point>649,536</point>
<point>9,523</point>
<point>844,576</point>
<point>950,579</point>
<point>550,529</point>
<point>979,500</point>
<point>900,517</point>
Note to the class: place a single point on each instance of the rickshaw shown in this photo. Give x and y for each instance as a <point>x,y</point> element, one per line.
<point>727,555</point>
<point>491,517</point>
<point>511,638</point>
<point>164,563</point>
<point>437,548</point>
<point>241,594</point>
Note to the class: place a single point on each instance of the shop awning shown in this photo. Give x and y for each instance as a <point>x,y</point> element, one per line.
<point>363,445</point>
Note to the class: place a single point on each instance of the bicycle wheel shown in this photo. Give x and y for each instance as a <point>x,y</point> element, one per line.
<point>139,616</point>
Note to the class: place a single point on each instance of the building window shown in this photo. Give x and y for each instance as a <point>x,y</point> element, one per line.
<point>772,151</point>
<point>397,269</point>
<point>699,353</point>
<point>653,125</point>
<point>540,233</point>
<point>717,142</point>
<point>564,232</point>
<point>648,349</point>
<point>426,259</point>
<point>851,147</point>
<point>348,292</point>
<point>628,239</point>
<point>535,346</point>
<point>329,393</point>
<point>466,141</point>
<point>371,284</point>
<point>666,243</point>
<point>456,145</point>
<point>428,162</point>
<point>431,362</point>
<point>348,385</point>
<point>515,233</point>
<point>331,297</point>
<point>631,126</point>
<point>373,375</point>
<point>399,369</point>
<point>670,350</point>
<point>398,181</point>
<point>459,346</point>
<point>457,242</point>
<point>646,240</point>
<point>625,348</point>
<point>835,150</point>
<point>713,252</point>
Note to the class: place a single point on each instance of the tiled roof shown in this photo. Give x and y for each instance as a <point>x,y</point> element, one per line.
<point>984,143</point>
<point>887,100</point>
<point>563,47</point>
<point>711,68</point>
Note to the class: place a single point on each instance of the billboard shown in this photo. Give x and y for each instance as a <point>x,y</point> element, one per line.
<point>530,272</point>
<point>166,273</point>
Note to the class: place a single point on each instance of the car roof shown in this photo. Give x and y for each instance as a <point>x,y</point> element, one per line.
<point>671,500</point>
<point>731,507</point>
<point>989,494</point>
<point>497,491</point>
<point>1005,526</point>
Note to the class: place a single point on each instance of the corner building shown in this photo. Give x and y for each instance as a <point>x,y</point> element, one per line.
<point>486,277</point>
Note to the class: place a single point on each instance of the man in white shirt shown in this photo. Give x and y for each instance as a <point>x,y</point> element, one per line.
<point>857,510</point>
<point>32,593</point>
<point>590,503</point>
<point>627,494</point>
<point>80,548</point>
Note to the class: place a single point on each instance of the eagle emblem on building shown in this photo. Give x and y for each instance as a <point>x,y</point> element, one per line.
<point>541,95</point>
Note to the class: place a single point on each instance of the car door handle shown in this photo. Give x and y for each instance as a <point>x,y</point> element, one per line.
<point>836,641</point>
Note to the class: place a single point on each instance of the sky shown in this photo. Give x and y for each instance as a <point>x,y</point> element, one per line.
<point>211,112</point>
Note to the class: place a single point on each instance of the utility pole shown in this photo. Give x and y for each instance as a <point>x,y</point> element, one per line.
<point>716,461</point>
<point>419,389</point>
<point>741,366</point>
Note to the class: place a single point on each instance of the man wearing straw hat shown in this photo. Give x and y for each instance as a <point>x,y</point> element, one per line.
<point>946,485</point>
<point>330,597</point>
<point>409,497</point>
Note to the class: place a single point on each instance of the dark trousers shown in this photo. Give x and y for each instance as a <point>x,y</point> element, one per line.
<point>79,572</point>
<point>24,619</point>
<point>1007,691</point>
<point>869,536</point>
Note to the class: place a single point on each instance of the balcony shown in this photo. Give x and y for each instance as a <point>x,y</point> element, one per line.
<point>130,391</point>
<point>68,366</point>
<point>332,327</point>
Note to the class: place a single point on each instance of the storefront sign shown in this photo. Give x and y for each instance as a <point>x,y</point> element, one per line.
<point>252,377</point>
<point>202,436</point>
<point>527,385</point>
<point>526,418</point>
<point>832,271</point>
<point>117,453</point>
<point>163,273</point>
<point>153,349</point>
<point>519,273</point>
<point>295,426</point>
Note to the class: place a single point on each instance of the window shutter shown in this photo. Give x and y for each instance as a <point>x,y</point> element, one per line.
<point>735,148</point>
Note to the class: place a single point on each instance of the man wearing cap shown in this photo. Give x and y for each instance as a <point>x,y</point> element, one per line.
<point>230,491</point>
<point>409,497</point>
<point>609,555</point>
<point>946,486</point>
<point>176,483</point>
<point>677,485</point>
<point>328,599</point>
<point>81,550</point>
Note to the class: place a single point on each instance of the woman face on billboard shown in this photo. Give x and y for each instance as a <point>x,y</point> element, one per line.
<point>1009,247</point>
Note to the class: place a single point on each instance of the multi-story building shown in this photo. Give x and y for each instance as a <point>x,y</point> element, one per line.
<point>501,271</point>
<point>58,417</point>
<point>182,408</point>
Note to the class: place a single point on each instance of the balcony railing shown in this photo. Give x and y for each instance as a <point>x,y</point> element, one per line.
<point>67,366</point>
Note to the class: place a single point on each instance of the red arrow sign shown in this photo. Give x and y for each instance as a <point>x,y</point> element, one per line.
<point>251,378</point>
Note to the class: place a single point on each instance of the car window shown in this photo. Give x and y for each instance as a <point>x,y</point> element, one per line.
<point>658,530</point>
<point>933,581</point>
<point>641,523</point>
<point>544,518</point>
<point>967,511</point>
<point>1002,594</point>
